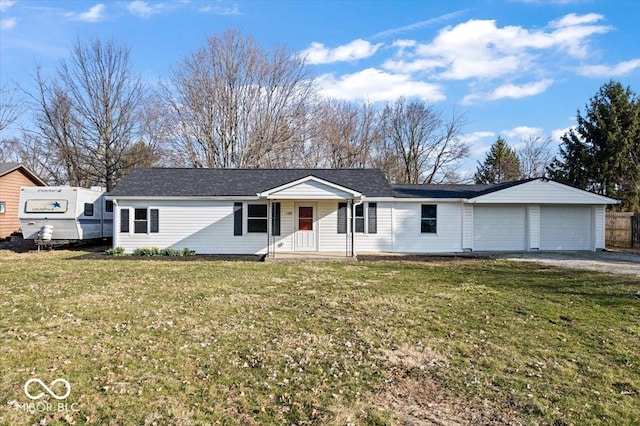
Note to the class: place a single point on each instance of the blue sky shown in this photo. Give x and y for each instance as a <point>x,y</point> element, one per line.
<point>513,68</point>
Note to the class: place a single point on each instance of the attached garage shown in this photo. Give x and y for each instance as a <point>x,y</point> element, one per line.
<point>499,228</point>
<point>566,228</point>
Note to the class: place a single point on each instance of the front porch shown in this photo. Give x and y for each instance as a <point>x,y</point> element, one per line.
<point>310,219</point>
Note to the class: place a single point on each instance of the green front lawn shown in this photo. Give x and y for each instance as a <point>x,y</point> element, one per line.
<point>170,342</point>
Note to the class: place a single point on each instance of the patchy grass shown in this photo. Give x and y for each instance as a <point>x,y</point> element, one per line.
<point>161,342</point>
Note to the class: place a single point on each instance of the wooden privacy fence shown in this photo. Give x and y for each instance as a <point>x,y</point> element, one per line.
<point>623,229</point>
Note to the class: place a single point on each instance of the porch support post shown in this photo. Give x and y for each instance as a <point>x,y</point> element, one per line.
<point>269,253</point>
<point>353,249</point>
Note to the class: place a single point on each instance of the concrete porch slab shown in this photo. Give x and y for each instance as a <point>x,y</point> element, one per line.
<point>311,256</point>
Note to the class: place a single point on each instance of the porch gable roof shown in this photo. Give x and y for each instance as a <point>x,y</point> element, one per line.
<point>310,187</point>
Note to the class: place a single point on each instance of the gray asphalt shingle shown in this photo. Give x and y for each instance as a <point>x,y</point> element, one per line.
<point>182,182</point>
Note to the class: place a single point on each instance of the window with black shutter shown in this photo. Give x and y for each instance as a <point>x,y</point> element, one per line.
<point>359,218</point>
<point>140,221</point>
<point>256,218</point>
<point>342,218</point>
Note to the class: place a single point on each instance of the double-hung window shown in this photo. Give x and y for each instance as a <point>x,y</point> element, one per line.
<point>256,218</point>
<point>429,219</point>
<point>364,213</point>
<point>144,221</point>
<point>359,217</point>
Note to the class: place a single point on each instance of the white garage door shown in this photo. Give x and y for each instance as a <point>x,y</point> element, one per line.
<point>565,228</point>
<point>499,228</point>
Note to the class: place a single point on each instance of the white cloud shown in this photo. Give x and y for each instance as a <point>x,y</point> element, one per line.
<point>375,85</point>
<point>219,10</point>
<point>556,135</point>
<point>512,91</point>
<point>7,24</point>
<point>516,92</point>
<point>523,133</point>
<point>572,19</point>
<point>6,4</point>
<point>142,8</point>
<point>480,49</point>
<point>94,14</point>
<point>621,68</point>
<point>479,142</point>
<point>356,49</point>
<point>419,65</point>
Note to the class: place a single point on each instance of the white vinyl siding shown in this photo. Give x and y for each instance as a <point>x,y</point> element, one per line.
<point>407,238</point>
<point>467,227</point>
<point>310,191</point>
<point>203,226</point>
<point>533,222</point>
<point>599,219</point>
<point>565,228</point>
<point>382,239</point>
<point>499,228</point>
<point>541,192</point>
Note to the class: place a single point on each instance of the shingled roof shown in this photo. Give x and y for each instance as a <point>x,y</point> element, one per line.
<point>6,168</point>
<point>451,191</point>
<point>183,182</point>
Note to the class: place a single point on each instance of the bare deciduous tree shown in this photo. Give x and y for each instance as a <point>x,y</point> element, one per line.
<point>345,133</point>
<point>535,156</point>
<point>237,105</point>
<point>10,106</point>
<point>88,114</point>
<point>419,146</point>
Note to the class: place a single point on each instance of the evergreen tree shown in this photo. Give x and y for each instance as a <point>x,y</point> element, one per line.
<point>500,165</point>
<point>602,154</point>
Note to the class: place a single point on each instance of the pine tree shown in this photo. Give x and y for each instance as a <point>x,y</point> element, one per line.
<point>602,154</point>
<point>500,165</point>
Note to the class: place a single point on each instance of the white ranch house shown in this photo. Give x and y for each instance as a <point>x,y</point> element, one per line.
<point>347,211</point>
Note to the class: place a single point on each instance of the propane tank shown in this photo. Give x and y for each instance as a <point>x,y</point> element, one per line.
<point>46,232</point>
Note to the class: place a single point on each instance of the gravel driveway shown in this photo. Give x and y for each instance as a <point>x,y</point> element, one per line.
<point>601,261</point>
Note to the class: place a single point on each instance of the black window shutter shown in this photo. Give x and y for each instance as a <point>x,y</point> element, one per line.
<point>124,220</point>
<point>237,218</point>
<point>373,218</point>
<point>342,218</point>
<point>155,220</point>
<point>275,219</point>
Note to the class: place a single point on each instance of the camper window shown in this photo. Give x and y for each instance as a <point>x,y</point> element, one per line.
<point>108,206</point>
<point>88,209</point>
<point>140,221</point>
<point>3,207</point>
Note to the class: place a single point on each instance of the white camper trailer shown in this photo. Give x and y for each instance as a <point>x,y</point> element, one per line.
<point>64,214</point>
